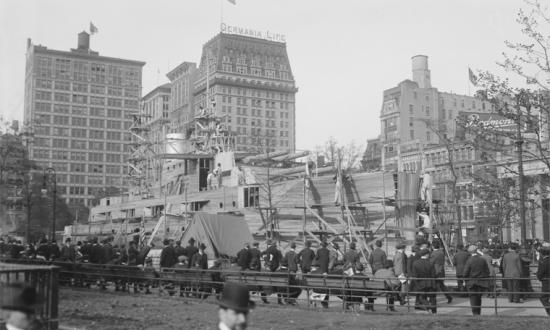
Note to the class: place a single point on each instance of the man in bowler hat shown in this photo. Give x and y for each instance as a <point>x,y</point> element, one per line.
<point>235,304</point>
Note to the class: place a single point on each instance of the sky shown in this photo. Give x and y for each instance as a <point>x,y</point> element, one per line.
<point>343,54</point>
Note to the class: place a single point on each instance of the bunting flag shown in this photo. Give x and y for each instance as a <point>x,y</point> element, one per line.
<point>93,29</point>
<point>233,2</point>
<point>473,78</point>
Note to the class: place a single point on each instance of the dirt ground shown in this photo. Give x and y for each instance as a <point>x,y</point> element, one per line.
<point>92,309</point>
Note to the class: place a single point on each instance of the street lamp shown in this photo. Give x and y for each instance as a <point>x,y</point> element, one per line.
<point>50,172</point>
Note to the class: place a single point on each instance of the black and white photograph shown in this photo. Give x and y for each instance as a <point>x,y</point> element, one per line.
<point>274,164</point>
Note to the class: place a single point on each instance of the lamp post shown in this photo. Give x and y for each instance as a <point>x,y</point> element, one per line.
<point>50,172</point>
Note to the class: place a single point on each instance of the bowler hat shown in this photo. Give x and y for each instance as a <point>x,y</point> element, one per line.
<point>472,249</point>
<point>256,244</point>
<point>19,297</point>
<point>235,296</point>
<point>400,246</point>
<point>268,242</point>
<point>202,246</point>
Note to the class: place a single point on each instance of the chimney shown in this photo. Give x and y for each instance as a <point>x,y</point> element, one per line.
<point>83,40</point>
<point>421,73</point>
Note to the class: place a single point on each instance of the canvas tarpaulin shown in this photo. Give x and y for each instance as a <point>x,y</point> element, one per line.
<point>221,233</point>
<point>408,189</point>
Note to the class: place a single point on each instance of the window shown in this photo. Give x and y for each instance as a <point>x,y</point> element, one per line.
<point>113,124</point>
<point>113,180</point>
<point>92,179</point>
<point>41,153</point>
<point>114,113</point>
<point>411,108</point>
<point>114,91</point>
<point>62,86</point>
<point>112,169</point>
<point>61,108</point>
<point>60,131</point>
<point>78,145</point>
<point>47,84</point>
<point>411,124</point>
<point>80,88</point>
<point>77,167</point>
<point>112,158</point>
<point>95,157</point>
<point>78,190</point>
<point>94,145</point>
<point>97,123</point>
<point>62,97</point>
<point>113,136</point>
<point>77,178</point>
<point>97,112</point>
<point>97,89</point>
<point>43,107</point>
<point>411,134</point>
<point>41,95</point>
<point>76,110</point>
<point>82,99</point>
<point>97,100</point>
<point>60,154</point>
<point>78,132</point>
<point>251,196</point>
<point>114,102</point>
<point>60,167</point>
<point>96,134</point>
<point>79,121</point>
<point>428,136</point>
<point>427,110</point>
<point>61,120</point>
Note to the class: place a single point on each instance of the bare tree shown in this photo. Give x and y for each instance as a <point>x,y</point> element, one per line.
<point>346,156</point>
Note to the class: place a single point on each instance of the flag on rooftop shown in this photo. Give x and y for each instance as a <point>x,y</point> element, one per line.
<point>473,78</point>
<point>234,2</point>
<point>93,29</point>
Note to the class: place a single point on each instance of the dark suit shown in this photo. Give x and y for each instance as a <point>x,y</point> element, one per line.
<point>306,257</point>
<point>168,257</point>
<point>424,271</point>
<point>255,259</point>
<point>291,261</point>
<point>459,261</point>
<point>543,275</point>
<point>377,259</point>
<point>273,258</point>
<point>323,257</point>
<point>511,271</point>
<point>476,273</point>
<point>243,258</point>
<point>200,261</point>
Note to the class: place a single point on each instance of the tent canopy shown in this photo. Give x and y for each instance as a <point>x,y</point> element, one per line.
<point>221,233</point>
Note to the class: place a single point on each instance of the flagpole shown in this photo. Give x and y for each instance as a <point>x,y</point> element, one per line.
<point>221,12</point>
<point>469,94</point>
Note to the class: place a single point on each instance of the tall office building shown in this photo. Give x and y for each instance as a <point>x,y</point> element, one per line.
<point>415,114</point>
<point>79,105</point>
<point>182,79</point>
<point>252,85</point>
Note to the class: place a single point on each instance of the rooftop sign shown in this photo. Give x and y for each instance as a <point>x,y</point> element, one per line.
<point>266,35</point>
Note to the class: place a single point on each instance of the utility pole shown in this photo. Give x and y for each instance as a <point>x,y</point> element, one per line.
<point>521,184</point>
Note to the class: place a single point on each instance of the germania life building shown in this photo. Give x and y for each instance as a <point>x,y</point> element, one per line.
<point>79,106</point>
<point>252,85</point>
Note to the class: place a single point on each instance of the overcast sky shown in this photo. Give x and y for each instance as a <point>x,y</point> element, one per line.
<point>343,53</point>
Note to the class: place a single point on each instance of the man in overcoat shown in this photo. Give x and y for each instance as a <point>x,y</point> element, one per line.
<point>459,261</point>
<point>437,258</point>
<point>377,258</point>
<point>476,273</point>
<point>306,257</point>
<point>424,282</point>
<point>511,271</point>
<point>323,257</point>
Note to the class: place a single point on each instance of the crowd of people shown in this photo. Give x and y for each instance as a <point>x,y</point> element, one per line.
<point>419,269</point>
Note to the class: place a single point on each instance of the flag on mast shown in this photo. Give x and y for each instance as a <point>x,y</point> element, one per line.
<point>93,29</point>
<point>233,2</point>
<point>473,78</point>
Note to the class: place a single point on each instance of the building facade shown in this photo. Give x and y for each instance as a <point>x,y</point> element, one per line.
<point>182,79</point>
<point>416,111</point>
<point>79,106</point>
<point>251,84</point>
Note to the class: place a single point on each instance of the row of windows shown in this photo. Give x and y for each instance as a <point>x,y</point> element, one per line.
<point>85,88</point>
<point>84,99</point>
<point>81,156</point>
<point>253,93</point>
<point>82,121</point>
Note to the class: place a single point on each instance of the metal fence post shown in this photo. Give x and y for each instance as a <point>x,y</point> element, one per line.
<point>495,293</point>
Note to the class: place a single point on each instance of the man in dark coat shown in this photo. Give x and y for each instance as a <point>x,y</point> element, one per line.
<point>244,257</point>
<point>108,252</point>
<point>306,257</point>
<point>437,258</point>
<point>323,257</point>
<point>68,251</point>
<point>96,253</point>
<point>54,251</point>
<point>290,259</point>
<point>255,258</point>
<point>179,250</point>
<point>543,275</point>
<point>351,259</point>
<point>459,261</point>
<point>511,271</point>
<point>191,249</point>
<point>377,259</point>
<point>168,255</point>
<point>200,259</point>
<point>424,274</point>
<point>273,256</point>
<point>476,273</point>
<point>133,254</point>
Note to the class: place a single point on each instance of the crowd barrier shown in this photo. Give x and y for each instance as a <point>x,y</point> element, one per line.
<point>305,290</point>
